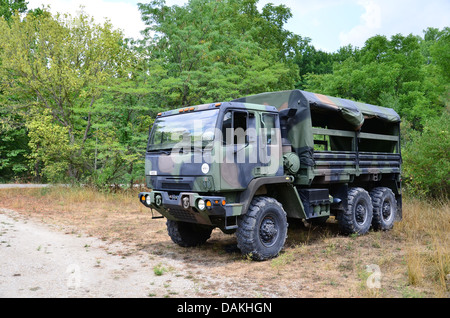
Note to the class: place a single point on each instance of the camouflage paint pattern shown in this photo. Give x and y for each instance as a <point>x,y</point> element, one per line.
<point>300,127</point>
<point>334,166</point>
<point>225,169</point>
<point>174,176</point>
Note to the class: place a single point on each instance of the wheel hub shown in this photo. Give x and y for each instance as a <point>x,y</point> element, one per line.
<point>361,214</point>
<point>386,211</point>
<point>268,231</point>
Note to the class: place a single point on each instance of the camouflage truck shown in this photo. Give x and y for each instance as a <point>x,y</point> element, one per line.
<point>251,164</point>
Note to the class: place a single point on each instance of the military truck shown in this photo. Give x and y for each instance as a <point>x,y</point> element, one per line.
<point>252,164</point>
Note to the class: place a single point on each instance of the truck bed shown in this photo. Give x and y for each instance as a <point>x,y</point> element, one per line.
<point>343,166</point>
<point>334,166</point>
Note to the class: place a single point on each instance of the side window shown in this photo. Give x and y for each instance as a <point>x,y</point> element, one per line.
<point>234,127</point>
<point>268,126</point>
<point>240,128</point>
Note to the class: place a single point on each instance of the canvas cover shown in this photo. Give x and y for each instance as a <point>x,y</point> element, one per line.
<point>338,110</point>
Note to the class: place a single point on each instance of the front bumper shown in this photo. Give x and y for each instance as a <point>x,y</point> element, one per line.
<point>187,207</point>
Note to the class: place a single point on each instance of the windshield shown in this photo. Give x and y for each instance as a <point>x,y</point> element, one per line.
<point>188,128</point>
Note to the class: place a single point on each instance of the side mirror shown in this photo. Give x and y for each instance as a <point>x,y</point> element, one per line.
<point>288,113</point>
<point>285,114</point>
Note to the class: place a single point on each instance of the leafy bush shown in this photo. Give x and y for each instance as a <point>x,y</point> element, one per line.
<point>426,164</point>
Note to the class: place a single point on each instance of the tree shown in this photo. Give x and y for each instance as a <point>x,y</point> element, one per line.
<point>392,73</point>
<point>56,66</point>
<point>13,138</point>
<point>218,50</point>
<point>440,51</point>
<point>9,7</point>
<point>120,138</point>
<point>426,159</point>
<point>310,60</point>
<point>13,146</point>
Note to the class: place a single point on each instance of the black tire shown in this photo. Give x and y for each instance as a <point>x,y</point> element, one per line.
<point>384,208</point>
<point>262,231</point>
<point>358,216</point>
<point>188,234</point>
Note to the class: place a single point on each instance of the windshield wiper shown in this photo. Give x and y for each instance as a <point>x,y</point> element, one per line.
<point>184,150</point>
<point>165,151</point>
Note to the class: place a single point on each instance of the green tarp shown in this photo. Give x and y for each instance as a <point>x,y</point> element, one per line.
<point>332,112</point>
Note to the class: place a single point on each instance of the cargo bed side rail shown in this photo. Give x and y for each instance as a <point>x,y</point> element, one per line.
<point>341,165</point>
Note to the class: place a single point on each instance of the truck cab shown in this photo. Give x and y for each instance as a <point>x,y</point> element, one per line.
<point>248,165</point>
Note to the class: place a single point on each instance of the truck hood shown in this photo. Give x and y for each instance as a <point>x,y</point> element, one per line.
<point>178,172</point>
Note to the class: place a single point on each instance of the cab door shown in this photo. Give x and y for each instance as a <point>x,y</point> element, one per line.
<point>239,147</point>
<point>269,146</point>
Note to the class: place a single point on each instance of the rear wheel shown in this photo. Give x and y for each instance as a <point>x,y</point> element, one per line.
<point>384,208</point>
<point>188,234</point>
<point>358,216</point>
<point>262,231</point>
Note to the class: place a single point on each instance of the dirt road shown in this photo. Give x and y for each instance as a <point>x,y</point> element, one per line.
<point>38,261</point>
<point>41,260</point>
<point>81,243</point>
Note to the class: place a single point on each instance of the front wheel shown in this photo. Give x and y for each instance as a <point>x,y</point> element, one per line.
<point>188,234</point>
<point>262,231</point>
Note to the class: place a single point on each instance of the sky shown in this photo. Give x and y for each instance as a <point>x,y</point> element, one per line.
<point>330,24</point>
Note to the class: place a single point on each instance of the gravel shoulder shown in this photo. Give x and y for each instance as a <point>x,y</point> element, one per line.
<point>68,243</point>
<point>39,261</point>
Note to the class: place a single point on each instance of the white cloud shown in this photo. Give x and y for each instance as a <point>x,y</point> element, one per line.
<point>372,16</point>
<point>389,17</point>
<point>369,26</point>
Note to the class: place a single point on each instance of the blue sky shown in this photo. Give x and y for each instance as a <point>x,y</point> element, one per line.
<point>329,23</point>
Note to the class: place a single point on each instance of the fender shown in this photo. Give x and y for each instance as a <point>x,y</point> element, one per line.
<point>281,188</point>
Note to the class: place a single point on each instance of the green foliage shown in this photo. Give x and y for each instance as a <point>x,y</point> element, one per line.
<point>394,73</point>
<point>55,68</point>
<point>13,147</point>
<point>51,147</point>
<point>218,50</point>
<point>9,7</point>
<point>426,158</point>
<point>440,50</point>
<point>411,75</point>
<point>309,60</point>
<point>77,100</point>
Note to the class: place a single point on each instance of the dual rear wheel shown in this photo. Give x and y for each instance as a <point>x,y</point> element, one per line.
<point>377,209</point>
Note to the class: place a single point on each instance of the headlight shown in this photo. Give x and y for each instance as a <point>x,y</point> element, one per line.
<point>148,200</point>
<point>201,204</point>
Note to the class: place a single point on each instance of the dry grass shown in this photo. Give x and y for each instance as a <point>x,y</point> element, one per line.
<point>413,259</point>
<point>426,232</point>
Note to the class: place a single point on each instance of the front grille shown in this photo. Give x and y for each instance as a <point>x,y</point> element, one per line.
<point>182,214</point>
<point>175,186</point>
